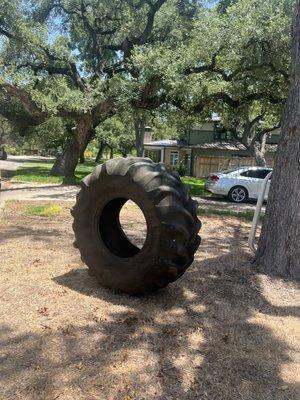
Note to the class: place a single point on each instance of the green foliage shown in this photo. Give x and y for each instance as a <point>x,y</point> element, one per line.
<point>50,135</point>
<point>14,150</point>
<point>117,132</point>
<point>180,168</point>
<point>223,5</point>
<point>71,56</point>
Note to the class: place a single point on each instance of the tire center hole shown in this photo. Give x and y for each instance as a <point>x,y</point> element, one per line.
<point>133,223</point>
<point>123,227</point>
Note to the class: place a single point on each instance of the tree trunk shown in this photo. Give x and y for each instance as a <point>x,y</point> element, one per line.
<point>82,156</point>
<point>259,155</point>
<point>111,152</point>
<point>1,137</point>
<point>279,245</point>
<point>255,145</point>
<point>99,155</point>
<point>124,152</point>
<point>259,158</point>
<point>66,163</point>
<point>139,127</point>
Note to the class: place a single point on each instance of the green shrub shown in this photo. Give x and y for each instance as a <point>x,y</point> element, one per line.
<point>14,151</point>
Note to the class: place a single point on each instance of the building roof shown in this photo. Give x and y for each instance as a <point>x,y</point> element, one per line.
<point>163,143</point>
<point>230,146</point>
<point>221,146</point>
<point>213,146</point>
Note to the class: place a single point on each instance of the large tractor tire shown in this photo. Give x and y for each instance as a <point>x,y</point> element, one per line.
<point>171,218</point>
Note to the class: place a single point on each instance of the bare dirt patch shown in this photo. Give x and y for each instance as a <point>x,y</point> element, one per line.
<point>221,332</point>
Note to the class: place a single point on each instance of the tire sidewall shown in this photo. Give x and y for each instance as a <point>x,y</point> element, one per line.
<point>95,253</point>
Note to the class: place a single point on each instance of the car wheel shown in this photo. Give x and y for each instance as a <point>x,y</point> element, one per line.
<point>238,194</point>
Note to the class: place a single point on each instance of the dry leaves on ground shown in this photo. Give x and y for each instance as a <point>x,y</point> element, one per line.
<point>222,332</point>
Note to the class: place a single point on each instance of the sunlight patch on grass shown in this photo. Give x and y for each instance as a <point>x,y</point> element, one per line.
<point>39,172</point>
<point>48,210</point>
<point>196,185</point>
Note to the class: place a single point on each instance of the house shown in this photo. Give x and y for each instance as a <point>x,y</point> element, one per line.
<point>203,149</point>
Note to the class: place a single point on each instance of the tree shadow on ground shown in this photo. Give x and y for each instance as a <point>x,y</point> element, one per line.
<point>197,339</point>
<point>40,186</point>
<point>37,235</point>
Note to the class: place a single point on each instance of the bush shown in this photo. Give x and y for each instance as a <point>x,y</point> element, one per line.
<point>180,168</point>
<point>14,151</point>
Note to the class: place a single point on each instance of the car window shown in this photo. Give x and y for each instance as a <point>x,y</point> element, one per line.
<point>250,173</point>
<point>256,173</point>
<point>262,173</point>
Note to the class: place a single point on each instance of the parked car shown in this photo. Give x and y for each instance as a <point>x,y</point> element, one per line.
<point>238,184</point>
<point>3,154</point>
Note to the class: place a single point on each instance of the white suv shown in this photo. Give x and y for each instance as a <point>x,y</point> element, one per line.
<point>239,184</point>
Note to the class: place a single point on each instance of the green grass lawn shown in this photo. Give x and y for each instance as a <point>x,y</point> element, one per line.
<point>196,185</point>
<point>49,210</point>
<point>40,172</point>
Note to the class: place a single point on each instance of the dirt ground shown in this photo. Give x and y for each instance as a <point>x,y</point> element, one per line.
<point>221,332</point>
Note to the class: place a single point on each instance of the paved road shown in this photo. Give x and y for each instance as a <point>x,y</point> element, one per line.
<point>57,192</point>
<point>13,162</point>
<point>37,192</point>
<point>219,203</point>
<point>29,191</point>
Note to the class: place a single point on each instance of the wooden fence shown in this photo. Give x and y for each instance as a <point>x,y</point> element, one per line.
<point>205,165</point>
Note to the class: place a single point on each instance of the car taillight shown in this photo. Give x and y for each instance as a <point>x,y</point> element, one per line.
<point>214,178</point>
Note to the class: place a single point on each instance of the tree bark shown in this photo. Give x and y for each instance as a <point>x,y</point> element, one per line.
<point>65,164</point>
<point>1,137</point>
<point>82,156</point>
<point>254,143</point>
<point>139,127</point>
<point>124,152</point>
<point>259,154</point>
<point>279,245</point>
<point>259,158</point>
<point>99,155</point>
<point>111,155</point>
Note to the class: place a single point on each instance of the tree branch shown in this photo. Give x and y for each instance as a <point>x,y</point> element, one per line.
<point>29,115</point>
<point>69,70</point>
<point>154,8</point>
<point>29,105</point>
<point>204,68</point>
<point>102,111</point>
<point>6,33</point>
<point>93,35</point>
<point>128,43</point>
<point>228,77</point>
<point>227,99</point>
